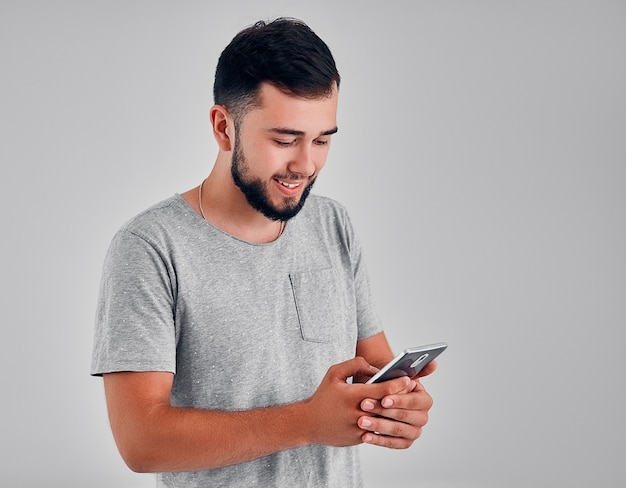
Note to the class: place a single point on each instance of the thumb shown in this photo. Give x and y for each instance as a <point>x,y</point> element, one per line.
<point>352,367</point>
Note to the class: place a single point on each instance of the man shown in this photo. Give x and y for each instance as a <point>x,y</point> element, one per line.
<point>235,324</point>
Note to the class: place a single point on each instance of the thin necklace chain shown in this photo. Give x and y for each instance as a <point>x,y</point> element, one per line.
<point>200,198</point>
<point>282,222</point>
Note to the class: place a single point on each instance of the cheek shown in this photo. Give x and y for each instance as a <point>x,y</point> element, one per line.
<point>262,157</point>
<point>320,159</point>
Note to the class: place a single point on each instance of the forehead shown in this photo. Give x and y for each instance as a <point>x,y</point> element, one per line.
<point>279,109</point>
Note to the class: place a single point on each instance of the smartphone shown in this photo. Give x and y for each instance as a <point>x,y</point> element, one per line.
<point>409,363</point>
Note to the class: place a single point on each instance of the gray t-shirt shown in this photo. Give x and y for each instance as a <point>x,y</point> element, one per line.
<point>241,325</point>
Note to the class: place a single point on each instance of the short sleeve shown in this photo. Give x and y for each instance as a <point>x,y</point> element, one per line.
<point>135,326</point>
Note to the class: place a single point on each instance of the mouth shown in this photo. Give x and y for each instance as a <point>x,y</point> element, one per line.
<point>288,185</point>
<point>289,188</point>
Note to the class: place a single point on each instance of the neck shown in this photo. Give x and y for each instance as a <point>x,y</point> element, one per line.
<point>225,207</point>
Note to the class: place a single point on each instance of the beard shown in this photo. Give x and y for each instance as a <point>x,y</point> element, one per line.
<point>257,194</point>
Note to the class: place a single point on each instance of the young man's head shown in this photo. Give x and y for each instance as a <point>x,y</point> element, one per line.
<point>277,82</point>
<point>285,53</point>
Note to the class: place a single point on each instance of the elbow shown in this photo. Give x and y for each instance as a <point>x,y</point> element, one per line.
<point>139,467</point>
<point>139,462</point>
<point>140,456</point>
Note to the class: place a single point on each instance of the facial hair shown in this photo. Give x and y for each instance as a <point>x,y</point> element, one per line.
<point>256,192</point>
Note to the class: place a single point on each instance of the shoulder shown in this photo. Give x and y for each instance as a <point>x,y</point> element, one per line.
<point>159,217</point>
<point>162,210</point>
<point>160,225</point>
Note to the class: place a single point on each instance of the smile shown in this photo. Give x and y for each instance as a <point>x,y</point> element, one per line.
<point>288,185</point>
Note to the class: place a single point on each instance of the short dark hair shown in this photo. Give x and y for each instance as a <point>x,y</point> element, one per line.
<point>284,52</point>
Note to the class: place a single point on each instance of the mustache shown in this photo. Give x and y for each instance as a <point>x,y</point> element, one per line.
<point>295,177</point>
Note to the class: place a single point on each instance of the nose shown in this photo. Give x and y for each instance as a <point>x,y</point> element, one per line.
<point>303,162</point>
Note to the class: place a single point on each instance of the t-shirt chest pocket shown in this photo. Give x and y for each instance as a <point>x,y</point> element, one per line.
<point>319,304</point>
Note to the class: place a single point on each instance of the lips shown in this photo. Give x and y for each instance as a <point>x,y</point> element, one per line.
<point>288,185</point>
<point>288,188</point>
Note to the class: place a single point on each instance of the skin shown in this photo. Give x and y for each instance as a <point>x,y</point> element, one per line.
<point>284,139</point>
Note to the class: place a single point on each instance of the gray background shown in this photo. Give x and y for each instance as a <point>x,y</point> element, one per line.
<point>481,154</point>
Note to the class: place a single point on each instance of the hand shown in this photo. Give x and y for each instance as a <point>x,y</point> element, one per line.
<point>396,421</point>
<point>334,409</point>
<point>428,369</point>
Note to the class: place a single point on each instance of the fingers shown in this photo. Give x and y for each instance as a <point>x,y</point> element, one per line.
<point>388,433</point>
<point>397,419</point>
<point>428,369</point>
<point>334,409</point>
<point>389,414</point>
<point>397,386</point>
<point>399,399</point>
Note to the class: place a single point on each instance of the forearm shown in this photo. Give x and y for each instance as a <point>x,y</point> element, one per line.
<point>183,439</point>
<point>154,436</point>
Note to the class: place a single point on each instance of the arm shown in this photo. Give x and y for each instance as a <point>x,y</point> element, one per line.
<point>375,350</point>
<point>154,436</point>
<point>395,420</point>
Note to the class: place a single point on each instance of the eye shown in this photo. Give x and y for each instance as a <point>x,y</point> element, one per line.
<point>321,142</point>
<point>283,143</point>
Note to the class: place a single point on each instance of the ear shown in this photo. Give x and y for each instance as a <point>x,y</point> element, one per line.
<point>223,127</point>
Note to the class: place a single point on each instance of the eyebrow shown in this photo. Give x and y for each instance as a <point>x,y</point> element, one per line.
<point>300,133</point>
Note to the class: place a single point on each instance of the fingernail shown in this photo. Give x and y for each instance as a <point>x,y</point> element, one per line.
<point>368,405</point>
<point>365,422</point>
<point>387,402</point>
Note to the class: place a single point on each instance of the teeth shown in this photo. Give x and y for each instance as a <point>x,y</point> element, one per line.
<point>289,185</point>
